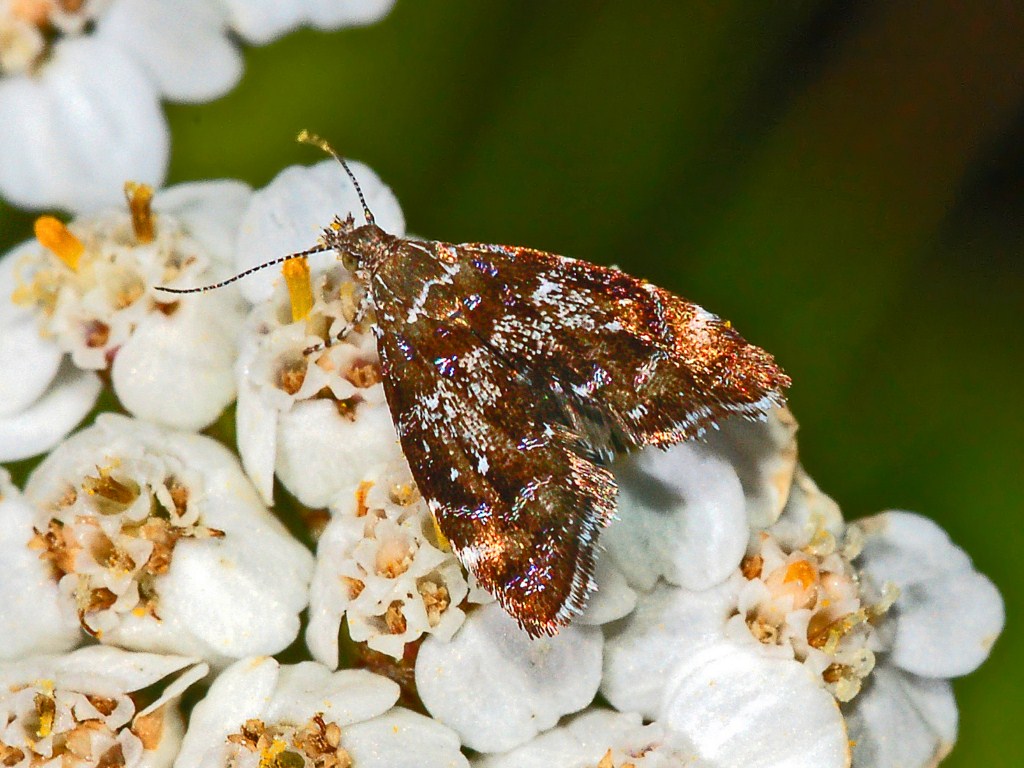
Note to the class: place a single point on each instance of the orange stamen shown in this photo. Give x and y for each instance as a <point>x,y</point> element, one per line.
<point>53,235</point>
<point>802,571</point>
<point>140,203</point>
<point>300,288</point>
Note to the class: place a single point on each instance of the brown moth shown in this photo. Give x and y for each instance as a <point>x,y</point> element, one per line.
<point>515,376</point>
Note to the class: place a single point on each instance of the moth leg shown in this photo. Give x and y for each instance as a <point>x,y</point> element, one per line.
<point>362,310</point>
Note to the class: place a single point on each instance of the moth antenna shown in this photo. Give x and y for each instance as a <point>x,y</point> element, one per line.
<point>247,272</point>
<point>305,137</point>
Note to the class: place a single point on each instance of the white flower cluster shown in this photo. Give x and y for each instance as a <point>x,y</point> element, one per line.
<point>739,620</point>
<point>154,540</point>
<point>81,709</point>
<point>381,565</point>
<point>83,303</point>
<point>81,83</point>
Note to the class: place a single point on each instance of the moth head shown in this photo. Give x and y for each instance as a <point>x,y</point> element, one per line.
<point>362,247</point>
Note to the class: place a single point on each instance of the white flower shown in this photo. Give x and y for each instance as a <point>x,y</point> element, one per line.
<point>81,83</point>
<point>809,621</point>
<point>599,738</point>
<point>90,294</point>
<point>80,710</point>
<point>318,420</point>
<point>259,713</point>
<point>381,566</point>
<point>944,624</point>
<point>33,621</point>
<point>159,542</point>
<point>497,688</point>
<point>80,90</point>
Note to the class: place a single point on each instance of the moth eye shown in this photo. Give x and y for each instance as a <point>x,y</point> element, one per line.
<point>349,261</point>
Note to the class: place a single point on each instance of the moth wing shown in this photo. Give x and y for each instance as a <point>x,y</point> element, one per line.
<point>499,467</point>
<point>637,364</point>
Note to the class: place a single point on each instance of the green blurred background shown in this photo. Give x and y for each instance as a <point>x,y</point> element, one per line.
<point>842,180</point>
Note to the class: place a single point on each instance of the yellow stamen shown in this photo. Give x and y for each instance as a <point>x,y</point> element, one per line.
<point>300,288</point>
<point>53,235</point>
<point>140,203</point>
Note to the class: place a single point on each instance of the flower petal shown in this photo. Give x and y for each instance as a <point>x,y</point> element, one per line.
<point>613,599</point>
<point>587,738</point>
<point>497,688</point>
<point>236,615</point>
<point>946,627</point>
<point>178,370</point>
<point>183,44</point>
<point>322,457</point>
<point>31,621</point>
<point>668,625</point>
<point>682,516</point>
<point>210,211</point>
<point>260,21</point>
<point>70,138</point>
<point>331,14</point>
<point>741,708</point>
<point>948,615</point>
<point>905,548</point>
<point>111,671</point>
<point>46,422</point>
<point>345,697</point>
<point>256,434</point>
<point>902,721</point>
<point>289,214</point>
<point>28,363</point>
<point>402,739</point>
<point>764,455</point>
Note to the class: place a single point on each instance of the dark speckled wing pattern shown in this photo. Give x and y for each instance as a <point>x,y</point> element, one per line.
<point>514,375</point>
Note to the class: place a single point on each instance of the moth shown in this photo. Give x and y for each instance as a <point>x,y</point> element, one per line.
<point>514,377</point>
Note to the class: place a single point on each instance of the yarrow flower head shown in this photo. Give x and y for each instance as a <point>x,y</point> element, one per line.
<point>261,714</point>
<point>738,618</point>
<point>158,542</point>
<point>87,290</point>
<point>81,83</point>
<point>85,709</point>
<point>383,566</point>
<point>804,597</point>
<point>809,618</point>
